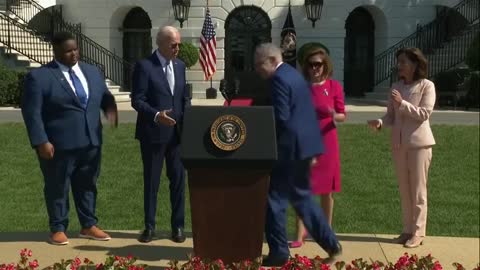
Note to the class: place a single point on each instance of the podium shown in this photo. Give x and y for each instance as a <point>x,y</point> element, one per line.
<point>228,153</point>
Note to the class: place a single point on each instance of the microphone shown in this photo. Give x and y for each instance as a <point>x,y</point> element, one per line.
<point>237,87</point>
<point>223,86</point>
<point>224,91</point>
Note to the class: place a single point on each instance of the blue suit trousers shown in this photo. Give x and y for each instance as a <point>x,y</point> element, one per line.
<point>78,168</point>
<point>290,181</point>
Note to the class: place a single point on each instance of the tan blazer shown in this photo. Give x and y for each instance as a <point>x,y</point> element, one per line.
<point>410,121</point>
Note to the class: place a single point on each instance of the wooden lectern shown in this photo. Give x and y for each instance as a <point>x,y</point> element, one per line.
<point>228,153</point>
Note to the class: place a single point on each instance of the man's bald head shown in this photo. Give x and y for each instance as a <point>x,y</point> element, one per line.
<point>168,40</point>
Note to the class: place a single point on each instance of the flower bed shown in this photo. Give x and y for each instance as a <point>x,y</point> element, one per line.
<point>406,262</point>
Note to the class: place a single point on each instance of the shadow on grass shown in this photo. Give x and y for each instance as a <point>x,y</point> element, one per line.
<point>135,235</point>
<point>24,237</point>
<point>365,239</point>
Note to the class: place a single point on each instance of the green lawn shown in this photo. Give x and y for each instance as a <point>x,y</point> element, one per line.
<point>368,203</point>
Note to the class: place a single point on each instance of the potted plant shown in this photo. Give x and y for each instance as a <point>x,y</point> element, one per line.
<point>189,54</point>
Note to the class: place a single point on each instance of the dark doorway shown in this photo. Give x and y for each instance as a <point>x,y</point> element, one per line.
<point>359,53</point>
<point>245,28</point>
<point>137,39</point>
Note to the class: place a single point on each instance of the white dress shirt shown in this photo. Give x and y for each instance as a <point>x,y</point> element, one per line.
<point>164,61</point>
<point>78,72</point>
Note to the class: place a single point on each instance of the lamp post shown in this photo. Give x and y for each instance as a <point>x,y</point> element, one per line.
<point>180,10</point>
<point>313,8</point>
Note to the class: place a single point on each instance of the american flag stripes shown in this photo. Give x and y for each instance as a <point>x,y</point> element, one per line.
<point>208,45</point>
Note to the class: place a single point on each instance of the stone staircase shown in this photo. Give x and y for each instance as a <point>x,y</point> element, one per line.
<point>439,60</point>
<point>28,50</point>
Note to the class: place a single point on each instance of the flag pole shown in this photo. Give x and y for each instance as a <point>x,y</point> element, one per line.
<point>211,86</point>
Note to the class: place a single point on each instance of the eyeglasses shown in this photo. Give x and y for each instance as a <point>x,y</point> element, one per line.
<point>315,65</point>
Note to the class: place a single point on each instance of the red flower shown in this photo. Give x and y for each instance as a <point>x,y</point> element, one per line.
<point>29,253</point>
<point>23,252</point>
<point>33,264</point>
<point>325,267</point>
<point>86,261</point>
<point>99,266</point>
<point>437,266</point>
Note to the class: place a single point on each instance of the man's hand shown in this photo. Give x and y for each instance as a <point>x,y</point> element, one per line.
<point>46,150</point>
<point>112,116</point>
<point>374,124</point>
<point>313,161</point>
<point>396,97</point>
<point>164,119</point>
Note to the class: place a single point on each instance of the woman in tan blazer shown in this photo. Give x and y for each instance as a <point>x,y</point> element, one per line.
<point>409,108</point>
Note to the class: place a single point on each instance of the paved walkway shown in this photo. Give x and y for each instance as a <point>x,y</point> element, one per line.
<point>357,112</point>
<point>158,253</point>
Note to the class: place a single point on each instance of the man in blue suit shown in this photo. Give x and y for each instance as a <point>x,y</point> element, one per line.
<point>61,109</point>
<point>298,140</point>
<point>160,96</point>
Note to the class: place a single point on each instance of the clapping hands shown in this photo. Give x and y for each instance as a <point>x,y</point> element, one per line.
<point>396,97</point>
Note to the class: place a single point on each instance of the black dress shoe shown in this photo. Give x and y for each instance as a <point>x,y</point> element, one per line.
<point>333,254</point>
<point>270,261</point>
<point>147,236</point>
<point>178,235</point>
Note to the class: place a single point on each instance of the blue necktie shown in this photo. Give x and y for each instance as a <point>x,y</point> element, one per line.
<point>77,84</point>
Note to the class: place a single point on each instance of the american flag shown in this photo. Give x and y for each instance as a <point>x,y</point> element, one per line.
<point>208,45</point>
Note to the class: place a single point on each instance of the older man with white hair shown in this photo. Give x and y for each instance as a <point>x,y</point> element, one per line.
<point>159,95</point>
<point>299,140</point>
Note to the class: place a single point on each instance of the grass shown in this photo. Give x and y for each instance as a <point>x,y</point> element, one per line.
<point>368,203</point>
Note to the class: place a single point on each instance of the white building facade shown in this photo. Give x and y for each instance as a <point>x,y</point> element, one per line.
<point>353,30</point>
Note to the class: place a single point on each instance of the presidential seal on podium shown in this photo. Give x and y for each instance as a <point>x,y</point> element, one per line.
<point>228,132</point>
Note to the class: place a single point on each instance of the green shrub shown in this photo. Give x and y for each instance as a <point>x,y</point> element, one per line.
<point>473,88</point>
<point>188,53</point>
<point>473,55</point>
<point>11,86</point>
<point>447,81</point>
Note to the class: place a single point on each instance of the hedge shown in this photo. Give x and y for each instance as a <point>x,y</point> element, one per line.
<point>11,86</point>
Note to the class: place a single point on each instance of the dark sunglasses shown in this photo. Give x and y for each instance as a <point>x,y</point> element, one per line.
<point>315,65</point>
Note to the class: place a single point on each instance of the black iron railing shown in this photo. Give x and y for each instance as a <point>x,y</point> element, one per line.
<point>428,38</point>
<point>18,37</point>
<point>449,56</point>
<point>44,23</point>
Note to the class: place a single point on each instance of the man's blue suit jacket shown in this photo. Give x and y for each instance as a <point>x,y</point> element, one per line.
<point>52,111</point>
<point>298,132</point>
<point>151,94</point>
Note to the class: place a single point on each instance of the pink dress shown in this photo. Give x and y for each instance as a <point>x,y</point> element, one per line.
<point>325,177</point>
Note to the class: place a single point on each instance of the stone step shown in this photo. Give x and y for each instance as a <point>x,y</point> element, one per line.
<point>120,96</point>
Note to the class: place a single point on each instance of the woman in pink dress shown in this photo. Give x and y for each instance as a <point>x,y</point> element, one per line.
<point>327,96</point>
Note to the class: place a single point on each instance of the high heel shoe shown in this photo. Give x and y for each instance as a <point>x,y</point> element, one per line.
<point>297,244</point>
<point>414,242</point>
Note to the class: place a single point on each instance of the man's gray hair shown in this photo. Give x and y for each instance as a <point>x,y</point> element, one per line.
<point>269,50</point>
<point>164,32</point>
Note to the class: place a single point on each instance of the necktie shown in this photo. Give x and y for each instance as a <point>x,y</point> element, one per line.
<point>81,93</point>
<point>169,75</point>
